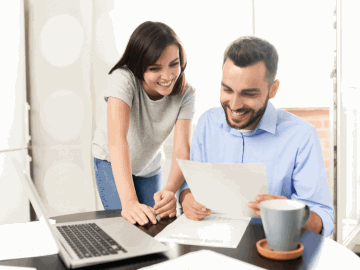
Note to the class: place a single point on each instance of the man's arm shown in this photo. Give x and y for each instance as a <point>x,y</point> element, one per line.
<point>310,183</point>
<point>314,223</point>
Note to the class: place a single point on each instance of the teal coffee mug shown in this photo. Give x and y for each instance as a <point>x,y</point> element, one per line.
<point>283,221</point>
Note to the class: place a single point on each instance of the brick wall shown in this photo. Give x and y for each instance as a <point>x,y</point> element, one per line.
<point>319,118</point>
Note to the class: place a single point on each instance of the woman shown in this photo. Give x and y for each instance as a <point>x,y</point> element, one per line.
<point>147,96</point>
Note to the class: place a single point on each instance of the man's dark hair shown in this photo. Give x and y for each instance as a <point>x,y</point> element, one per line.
<point>145,46</point>
<point>248,50</point>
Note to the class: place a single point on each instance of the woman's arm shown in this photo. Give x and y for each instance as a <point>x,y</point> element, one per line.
<point>181,150</point>
<point>165,202</point>
<point>118,117</point>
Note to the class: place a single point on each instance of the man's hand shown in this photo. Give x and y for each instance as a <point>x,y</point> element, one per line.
<point>134,212</point>
<point>191,208</point>
<point>165,203</point>
<point>255,205</point>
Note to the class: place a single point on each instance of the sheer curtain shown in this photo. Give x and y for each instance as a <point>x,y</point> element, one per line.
<point>348,140</point>
<point>14,129</point>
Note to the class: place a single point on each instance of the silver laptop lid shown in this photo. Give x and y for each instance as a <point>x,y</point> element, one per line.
<point>35,199</point>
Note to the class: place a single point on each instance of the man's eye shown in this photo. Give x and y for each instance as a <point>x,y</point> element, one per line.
<point>250,94</point>
<point>227,90</point>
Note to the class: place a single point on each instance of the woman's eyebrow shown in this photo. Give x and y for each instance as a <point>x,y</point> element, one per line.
<point>175,60</point>
<point>160,65</point>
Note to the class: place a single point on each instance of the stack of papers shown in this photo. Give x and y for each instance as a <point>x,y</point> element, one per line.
<point>25,240</point>
<point>203,259</point>
<point>225,190</point>
<point>214,231</point>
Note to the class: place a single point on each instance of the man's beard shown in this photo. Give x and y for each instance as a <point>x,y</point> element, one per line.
<point>256,115</point>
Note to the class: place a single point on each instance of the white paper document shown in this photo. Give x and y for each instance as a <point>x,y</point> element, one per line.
<point>225,188</point>
<point>214,231</point>
<point>24,240</point>
<point>203,259</point>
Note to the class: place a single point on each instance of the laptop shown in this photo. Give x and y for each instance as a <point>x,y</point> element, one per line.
<point>91,242</point>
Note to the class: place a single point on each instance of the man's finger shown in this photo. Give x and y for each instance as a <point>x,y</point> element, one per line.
<point>198,206</point>
<point>195,211</point>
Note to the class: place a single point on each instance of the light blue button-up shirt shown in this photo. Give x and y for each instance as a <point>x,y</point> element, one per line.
<point>287,145</point>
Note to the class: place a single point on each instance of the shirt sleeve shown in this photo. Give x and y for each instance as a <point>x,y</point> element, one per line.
<point>187,108</point>
<point>310,181</point>
<point>121,85</point>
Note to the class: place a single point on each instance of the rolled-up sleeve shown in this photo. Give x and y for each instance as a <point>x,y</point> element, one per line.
<point>310,181</point>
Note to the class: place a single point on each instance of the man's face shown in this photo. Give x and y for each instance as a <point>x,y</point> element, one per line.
<point>244,94</point>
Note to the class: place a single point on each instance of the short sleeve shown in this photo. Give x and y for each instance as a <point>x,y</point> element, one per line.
<point>121,85</point>
<point>187,108</point>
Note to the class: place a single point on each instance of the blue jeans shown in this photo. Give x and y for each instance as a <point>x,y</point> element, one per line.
<point>145,187</point>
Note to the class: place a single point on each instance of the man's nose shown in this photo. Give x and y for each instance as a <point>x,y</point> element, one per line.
<point>236,103</point>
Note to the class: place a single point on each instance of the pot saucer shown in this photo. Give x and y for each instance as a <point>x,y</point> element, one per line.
<point>264,250</point>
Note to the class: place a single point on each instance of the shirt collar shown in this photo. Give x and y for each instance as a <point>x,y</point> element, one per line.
<point>267,122</point>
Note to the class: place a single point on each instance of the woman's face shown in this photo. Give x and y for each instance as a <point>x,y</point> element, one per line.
<point>160,78</point>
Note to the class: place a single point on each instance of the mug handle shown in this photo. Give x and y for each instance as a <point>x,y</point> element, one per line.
<point>306,215</point>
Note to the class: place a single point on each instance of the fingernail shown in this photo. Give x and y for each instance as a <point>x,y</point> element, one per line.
<point>154,221</point>
<point>257,198</point>
<point>204,209</point>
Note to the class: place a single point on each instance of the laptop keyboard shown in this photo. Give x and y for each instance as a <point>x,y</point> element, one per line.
<point>89,240</point>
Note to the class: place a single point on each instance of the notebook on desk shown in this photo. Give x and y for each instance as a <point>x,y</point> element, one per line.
<point>92,242</point>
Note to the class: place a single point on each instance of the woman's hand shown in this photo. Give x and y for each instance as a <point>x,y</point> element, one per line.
<point>165,203</point>
<point>134,212</point>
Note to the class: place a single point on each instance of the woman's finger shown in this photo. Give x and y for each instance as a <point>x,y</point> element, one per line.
<point>150,215</point>
<point>171,212</point>
<point>167,207</point>
<point>128,218</point>
<point>140,211</point>
<point>164,201</point>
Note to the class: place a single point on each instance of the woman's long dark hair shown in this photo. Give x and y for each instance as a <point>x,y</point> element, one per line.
<point>145,47</point>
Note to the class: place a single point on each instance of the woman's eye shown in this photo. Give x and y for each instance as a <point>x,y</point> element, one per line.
<point>154,69</point>
<point>174,64</point>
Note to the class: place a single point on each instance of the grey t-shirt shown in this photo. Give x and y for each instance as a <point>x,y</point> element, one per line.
<point>150,122</point>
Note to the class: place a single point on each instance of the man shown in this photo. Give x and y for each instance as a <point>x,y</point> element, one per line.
<point>248,129</point>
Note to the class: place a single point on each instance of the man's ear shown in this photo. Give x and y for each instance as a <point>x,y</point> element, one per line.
<point>274,88</point>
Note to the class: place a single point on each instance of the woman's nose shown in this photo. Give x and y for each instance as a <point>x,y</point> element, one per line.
<point>166,75</point>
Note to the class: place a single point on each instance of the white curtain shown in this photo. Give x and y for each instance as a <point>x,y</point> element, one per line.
<point>14,128</point>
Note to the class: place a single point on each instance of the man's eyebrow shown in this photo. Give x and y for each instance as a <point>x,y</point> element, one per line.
<point>223,84</point>
<point>160,65</point>
<point>257,90</point>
